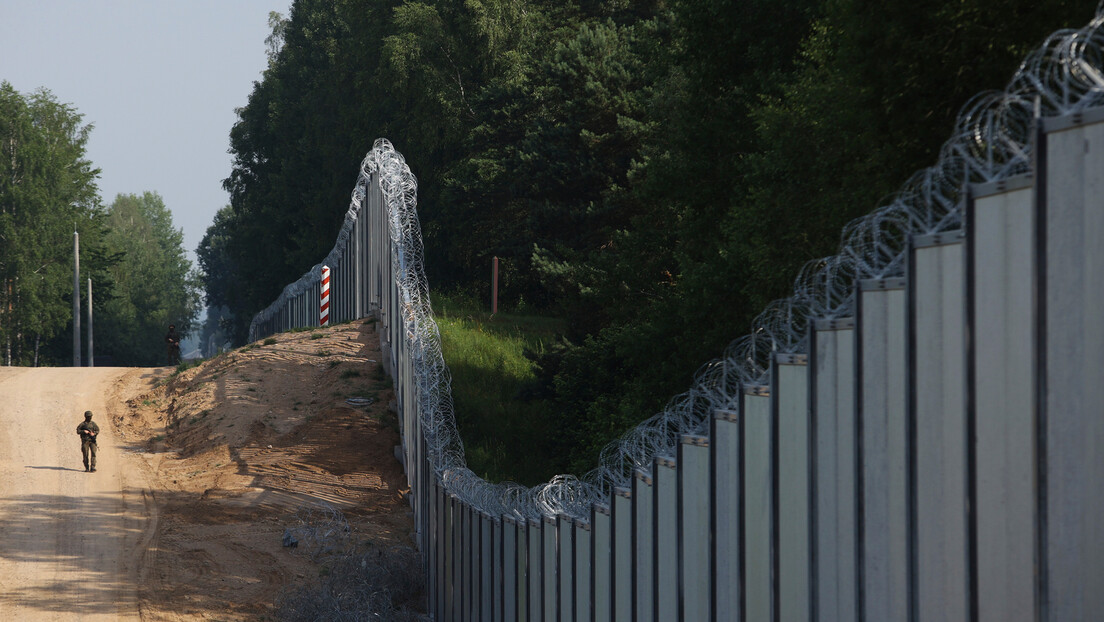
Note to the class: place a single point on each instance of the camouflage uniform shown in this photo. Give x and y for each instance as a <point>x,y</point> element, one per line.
<point>172,345</point>
<point>88,431</point>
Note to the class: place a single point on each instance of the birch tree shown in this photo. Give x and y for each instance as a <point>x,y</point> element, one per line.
<point>47,192</point>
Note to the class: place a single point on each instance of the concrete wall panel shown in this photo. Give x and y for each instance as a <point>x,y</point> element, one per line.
<point>602,552</point>
<point>1003,329</point>
<point>565,570</point>
<point>1073,415</point>
<point>884,450</point>
<point>666,539</point>
<point>550,559</point>
<point>622,567</point>
<point>794,519</point>
<point>759,569</point>
<point>534,547</point>
<point>939,422</point>
<point>727,515</point>
<point>836,476</point>
<point>695,530</point>
<point>513,573</point>
<point>583,557</point>
<point>643,533</point>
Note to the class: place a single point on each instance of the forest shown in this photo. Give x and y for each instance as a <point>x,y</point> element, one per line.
<point>653,172</point>
<point>129,250</point>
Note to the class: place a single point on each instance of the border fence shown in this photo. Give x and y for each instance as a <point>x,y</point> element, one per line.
<point>916,434</point>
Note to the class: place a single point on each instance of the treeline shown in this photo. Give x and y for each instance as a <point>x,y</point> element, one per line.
<point>141,279</point>
<point>655,171</point>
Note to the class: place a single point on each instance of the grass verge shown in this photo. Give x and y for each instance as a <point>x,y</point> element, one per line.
<point>505,437</point>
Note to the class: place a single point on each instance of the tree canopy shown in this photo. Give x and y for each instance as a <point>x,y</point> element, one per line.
<point>47,191</point>
<point>130,251</point>
<point>154,287</point>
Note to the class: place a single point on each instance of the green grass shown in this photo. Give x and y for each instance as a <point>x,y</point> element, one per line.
<point>505,438</point>
<point>185,365</point>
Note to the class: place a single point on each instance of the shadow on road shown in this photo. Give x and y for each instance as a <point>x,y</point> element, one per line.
<point>64,549</point>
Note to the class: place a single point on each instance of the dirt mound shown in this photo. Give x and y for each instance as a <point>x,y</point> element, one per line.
<point>239,446</point>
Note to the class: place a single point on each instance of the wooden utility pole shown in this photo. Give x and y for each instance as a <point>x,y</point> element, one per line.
<point>76,301</point>
<point>90,361</point>
<point>494,285</point>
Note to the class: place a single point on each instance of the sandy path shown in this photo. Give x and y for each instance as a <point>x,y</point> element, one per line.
<point>71,543</point>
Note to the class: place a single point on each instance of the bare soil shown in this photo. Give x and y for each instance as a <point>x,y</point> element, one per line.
<point>201,473</point>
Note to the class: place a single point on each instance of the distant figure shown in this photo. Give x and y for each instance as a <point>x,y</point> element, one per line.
<point>172,344</point>
<point>88,431</point>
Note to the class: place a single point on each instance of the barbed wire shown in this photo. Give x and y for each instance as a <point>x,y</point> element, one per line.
<point>993,139</point>
<point>320,530</point>
<point>374,582</point>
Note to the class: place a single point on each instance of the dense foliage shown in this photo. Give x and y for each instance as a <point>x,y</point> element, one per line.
<point>47,191</point>
<point>131,253</point>
<point>155,287</point>
<point>655,172</point>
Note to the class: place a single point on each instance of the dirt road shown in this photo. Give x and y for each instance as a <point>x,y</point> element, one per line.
<point>199,474</point>
<point>71,542</point>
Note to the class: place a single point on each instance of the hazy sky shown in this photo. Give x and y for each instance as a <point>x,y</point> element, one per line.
<point>158,79</point>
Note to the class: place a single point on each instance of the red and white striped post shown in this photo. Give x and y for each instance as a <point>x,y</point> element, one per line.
<point>324,310</point>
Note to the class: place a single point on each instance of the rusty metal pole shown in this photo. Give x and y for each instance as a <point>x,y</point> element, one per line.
<point>494,286</point>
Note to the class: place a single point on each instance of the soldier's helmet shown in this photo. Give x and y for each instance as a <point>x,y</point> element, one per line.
<point>87,415</point>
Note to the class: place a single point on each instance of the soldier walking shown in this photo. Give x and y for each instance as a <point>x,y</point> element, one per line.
<point>88,431</point>
<point>172,345</point>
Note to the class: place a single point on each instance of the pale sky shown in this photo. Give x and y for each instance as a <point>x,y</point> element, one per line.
<point>158,79</point>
